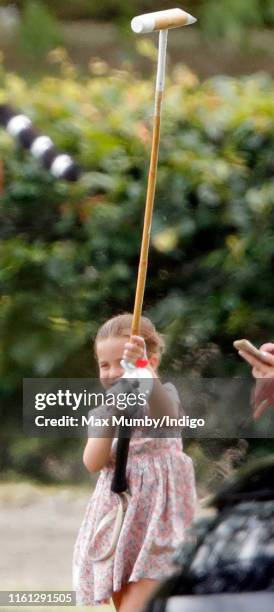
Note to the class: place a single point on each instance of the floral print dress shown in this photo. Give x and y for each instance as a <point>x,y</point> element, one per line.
<point>161,482</point>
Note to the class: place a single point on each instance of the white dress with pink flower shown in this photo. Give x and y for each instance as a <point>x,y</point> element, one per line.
<point>161,482</point>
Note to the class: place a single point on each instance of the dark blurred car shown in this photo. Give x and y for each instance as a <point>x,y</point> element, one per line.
<point>228,563</point>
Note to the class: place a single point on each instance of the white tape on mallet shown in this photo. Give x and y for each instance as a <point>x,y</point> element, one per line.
<point>161,20</point>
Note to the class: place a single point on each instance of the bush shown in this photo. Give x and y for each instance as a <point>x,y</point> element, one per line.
<point>69,254</point>
<point>39,31</point>
<point>215,18</point>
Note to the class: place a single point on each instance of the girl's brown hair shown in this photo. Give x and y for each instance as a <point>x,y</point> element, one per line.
<point>121,326</point>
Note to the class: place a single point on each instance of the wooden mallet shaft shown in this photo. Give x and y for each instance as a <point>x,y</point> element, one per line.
<point>161,20</point>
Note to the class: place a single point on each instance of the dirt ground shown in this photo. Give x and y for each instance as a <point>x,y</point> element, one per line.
<point>38,528</point>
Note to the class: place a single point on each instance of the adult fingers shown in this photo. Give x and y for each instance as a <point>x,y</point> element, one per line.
<point>266,365</point>
<point>259,373</point>
<point>268,350</point>
<point>267,346</point>
<point>251,359</point>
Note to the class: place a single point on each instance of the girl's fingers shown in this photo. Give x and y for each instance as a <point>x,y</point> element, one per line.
<point>132,352</point>
<point>135,344</point>
<point>130,348</point>
<point>138,340</point>
<point>132,355</point>
<point>135,349</point>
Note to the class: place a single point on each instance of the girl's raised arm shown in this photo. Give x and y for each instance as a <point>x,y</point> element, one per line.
<point>97,453</point>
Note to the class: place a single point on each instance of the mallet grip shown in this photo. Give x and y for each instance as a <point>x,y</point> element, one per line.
<point>161,20</point>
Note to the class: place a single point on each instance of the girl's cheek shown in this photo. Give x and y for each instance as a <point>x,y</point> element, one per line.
<point>103,375</point>
<point>104,382</point>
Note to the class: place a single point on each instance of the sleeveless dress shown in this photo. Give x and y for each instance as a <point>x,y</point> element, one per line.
<point>162,505</point>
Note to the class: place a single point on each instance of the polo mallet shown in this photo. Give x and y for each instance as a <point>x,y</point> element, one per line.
<point>150,22</point>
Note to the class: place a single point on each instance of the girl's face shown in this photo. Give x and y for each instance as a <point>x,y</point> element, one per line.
<point>109,354</point>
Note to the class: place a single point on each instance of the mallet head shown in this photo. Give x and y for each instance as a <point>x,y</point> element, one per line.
<point>161,20</point>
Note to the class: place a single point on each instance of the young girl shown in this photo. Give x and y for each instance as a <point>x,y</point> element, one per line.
<point>161,481</point>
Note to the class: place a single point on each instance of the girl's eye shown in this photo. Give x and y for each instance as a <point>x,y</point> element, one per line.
<point>103,365</point>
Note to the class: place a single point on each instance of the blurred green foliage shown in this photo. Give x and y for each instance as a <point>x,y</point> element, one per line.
<point>38,30</point>
<point>216,18</point>
<point>232,18</point>
<point>69,253</point>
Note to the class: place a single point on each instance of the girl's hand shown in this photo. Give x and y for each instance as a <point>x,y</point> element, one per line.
<point>135,349</point>
<point>260,369</point>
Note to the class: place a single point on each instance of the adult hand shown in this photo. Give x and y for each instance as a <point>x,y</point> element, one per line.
<point>264,390</point>
<point>261,369</point>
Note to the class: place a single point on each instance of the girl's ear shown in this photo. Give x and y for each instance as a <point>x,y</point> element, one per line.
<point>154,361</point>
